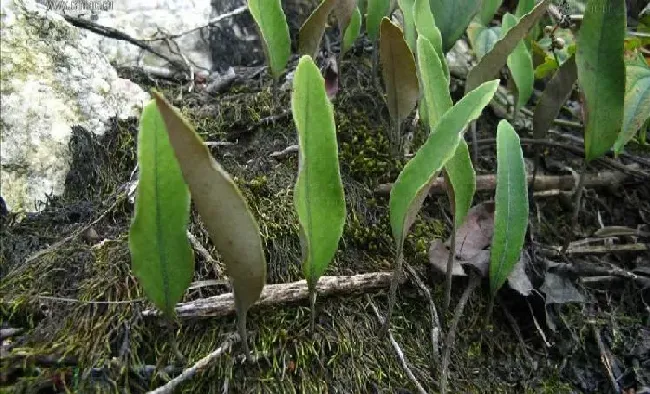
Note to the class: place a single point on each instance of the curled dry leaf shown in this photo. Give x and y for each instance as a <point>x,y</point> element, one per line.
<point>472,239</point>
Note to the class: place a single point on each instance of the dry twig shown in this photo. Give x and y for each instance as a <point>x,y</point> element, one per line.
<point>398,350</point>
<point>202,364</point>
<point>275,294</point>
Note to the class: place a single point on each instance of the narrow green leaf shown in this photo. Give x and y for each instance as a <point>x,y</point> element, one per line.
<point>488,9</point>
<point>459,168</point>
<point>601,73</point>
<point>524,7</point>
<point>637,101</point>
<point>377,10</point>
<point>482,38</point>
<point>318,194</point>
<point>494,60</point>
<point>161,256</point>
<point>557,92</point>
<point>462,177</point>
<point>352,32</point>
<point>407,195</point>
<point>434,82</point>
<point>520,64</point>
<point>224,211</point>
<point>453,17</point>
<point>272,22</point>
<point>511,206</point>
<point>398,70</point>
<point>311,32</point>
<point>410,33</point>
<point>425,25</point>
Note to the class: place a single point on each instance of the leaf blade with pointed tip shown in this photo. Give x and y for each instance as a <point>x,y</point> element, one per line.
<point>398,70</point>
<point>511,206</point>
<point>557,92</point>
<point>601,73</point>
<point>410,34</point>
<point>520,64</point>
<point>318,193</point>
<point>435,87</point>
<point>425,24</point>
<point>352,32</point>
<point>161,256</point>
<point>311,32</point>
<point>222,208</point>
<point>637,97</point>
<point>376,11</point>
<point>494,60</point>
<point>408,192</point>
<point>272,22</point>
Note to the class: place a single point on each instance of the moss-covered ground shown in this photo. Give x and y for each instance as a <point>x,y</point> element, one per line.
<point>80,306</point>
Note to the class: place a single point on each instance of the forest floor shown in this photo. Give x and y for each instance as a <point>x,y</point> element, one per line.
<point>67,285</point>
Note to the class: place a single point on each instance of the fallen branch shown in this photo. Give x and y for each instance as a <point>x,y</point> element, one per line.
<point>542,182</point>
<point>276,294</point>
<point>596,249</point>
<point>202,364</point>
<point>398,350</point>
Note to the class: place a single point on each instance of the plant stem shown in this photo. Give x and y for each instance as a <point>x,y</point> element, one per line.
<point>450,266</point>
<point>474,281</point>
<point>393,289</point>
<point>472,127</point>
<point>241,328</point>
<point>312,305</point>
<point>577,202</point>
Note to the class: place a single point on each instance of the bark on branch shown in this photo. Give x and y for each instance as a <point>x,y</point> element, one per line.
<point>542,182</point>
<point>283,293</point>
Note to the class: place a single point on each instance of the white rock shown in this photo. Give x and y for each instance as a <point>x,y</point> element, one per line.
<point>51,81</point>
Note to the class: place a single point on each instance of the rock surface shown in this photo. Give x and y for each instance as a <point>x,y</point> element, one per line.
<point>232,41</point>
<point>51,81</point>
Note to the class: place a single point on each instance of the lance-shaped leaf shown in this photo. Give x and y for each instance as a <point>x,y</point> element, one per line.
<point>398,70</point>
<point>272,23</point>
<point>311,32</point>
<point>601,73</point>
<point>224,211</point>
<point>425,24</point>
<point>377,10</point>
<point>408,192</point>
<point>318,194</point>
<point>482,38</point>
<point>410,34</point>
<point>352,31</point>
<point>557,92</point>
<point>434,83</point>
<point>438,101</point>
<point>453,17</point>
<point>488,9</point>
<point>520,64</point>
<point>161,256</point>
<point>637,100</point>
<point>462,177</point>
<point>494,60</point>
<point>511,206</point>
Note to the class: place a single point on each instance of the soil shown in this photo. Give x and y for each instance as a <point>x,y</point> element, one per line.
<point>79,306</point>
